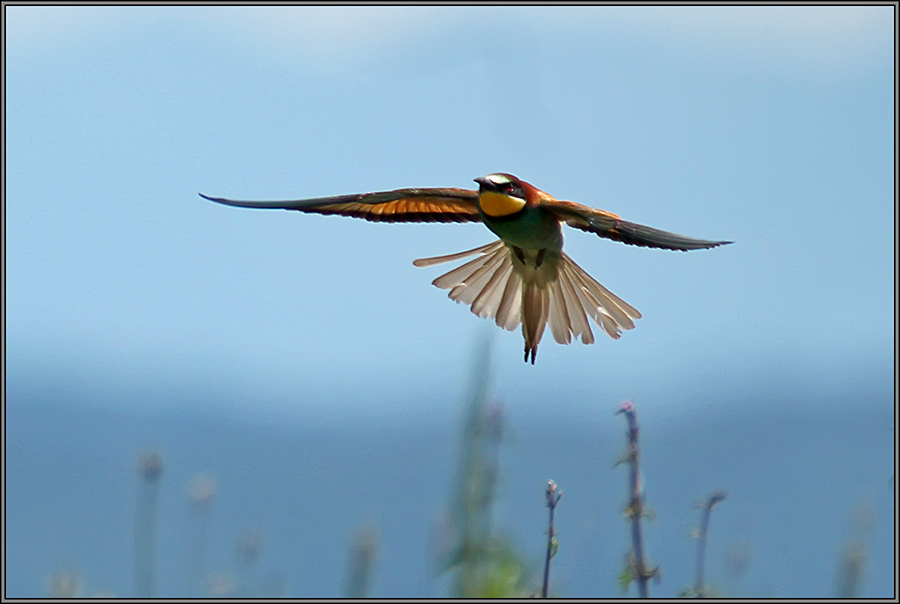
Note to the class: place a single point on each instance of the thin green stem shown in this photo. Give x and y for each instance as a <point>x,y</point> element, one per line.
<point>554,494</point>
<point>701,539</point>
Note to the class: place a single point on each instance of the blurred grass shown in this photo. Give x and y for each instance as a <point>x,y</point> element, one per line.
<point>363,552</point>
<point>486,566</point>
<point>480,558</point>
<point>150,468</point>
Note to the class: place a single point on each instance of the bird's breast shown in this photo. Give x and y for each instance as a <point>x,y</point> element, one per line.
<point>530,229</point>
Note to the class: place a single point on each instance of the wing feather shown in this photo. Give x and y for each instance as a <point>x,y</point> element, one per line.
<point>402,205</point>
<point>609,225</point>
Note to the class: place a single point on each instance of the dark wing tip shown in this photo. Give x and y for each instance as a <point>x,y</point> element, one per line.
<point>700,244</point>
<point>642,235</point>
<point>277,205</point>
<point>215,199</point>
<point>712,244</point>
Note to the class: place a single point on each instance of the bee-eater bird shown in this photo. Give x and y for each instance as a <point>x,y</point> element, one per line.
<point>524,277</point>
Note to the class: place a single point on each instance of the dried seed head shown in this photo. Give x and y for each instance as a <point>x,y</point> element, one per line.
<point>150,466</point>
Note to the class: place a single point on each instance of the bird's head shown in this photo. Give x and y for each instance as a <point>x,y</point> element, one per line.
<point>501,194</point>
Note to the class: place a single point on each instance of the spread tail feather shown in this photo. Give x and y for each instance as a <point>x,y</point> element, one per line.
<point>534,290</point>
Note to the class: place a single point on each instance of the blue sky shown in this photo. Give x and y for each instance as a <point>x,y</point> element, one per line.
<point>769,126</point>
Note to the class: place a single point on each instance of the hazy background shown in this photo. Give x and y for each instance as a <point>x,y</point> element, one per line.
<point>140,316</point>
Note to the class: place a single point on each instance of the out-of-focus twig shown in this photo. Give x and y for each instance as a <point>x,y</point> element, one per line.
<point>150,467</point>
<point>362,563</point>
<point>853,558</point>
<point>635,510</point>
<point>554,494</point>
<point>712,500</point>
<point>485,565</point>
<point>201,493</point>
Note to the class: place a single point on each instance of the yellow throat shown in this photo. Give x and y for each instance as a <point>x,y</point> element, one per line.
<point>499,204</point>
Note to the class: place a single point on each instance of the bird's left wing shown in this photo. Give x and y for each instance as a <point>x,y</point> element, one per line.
<point>609,225</point>
<point>402,205</point>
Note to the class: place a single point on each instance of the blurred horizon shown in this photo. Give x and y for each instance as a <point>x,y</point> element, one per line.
<point>305,396</point>
<point>796,484</point>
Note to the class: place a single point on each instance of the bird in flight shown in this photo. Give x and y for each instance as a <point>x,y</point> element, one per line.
<point>524,278</point>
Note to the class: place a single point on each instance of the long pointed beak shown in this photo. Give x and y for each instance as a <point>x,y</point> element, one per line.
<point>482,180</point>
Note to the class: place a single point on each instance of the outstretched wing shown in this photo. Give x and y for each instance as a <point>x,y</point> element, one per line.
<point>606,224</point>
<point>402,205</point>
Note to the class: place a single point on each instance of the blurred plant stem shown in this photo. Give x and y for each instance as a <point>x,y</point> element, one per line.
<point>852,562</point>
<point>554,494</point>
<point>485,566</point>
<point>699,590</point>
<point>637,569</point>
<point>201,493</point>
<point>248,548</point>
<point>150,467</point>
<point>362,563</point>
<point>64,583</point>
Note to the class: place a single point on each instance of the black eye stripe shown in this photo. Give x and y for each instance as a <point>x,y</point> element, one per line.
<point>508,187</point>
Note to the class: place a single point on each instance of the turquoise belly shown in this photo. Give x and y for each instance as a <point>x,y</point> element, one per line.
<point>531,229</point>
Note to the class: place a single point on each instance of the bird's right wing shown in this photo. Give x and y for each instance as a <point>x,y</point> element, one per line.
<point>609,225</point>
<point>401,205</point>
